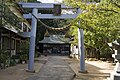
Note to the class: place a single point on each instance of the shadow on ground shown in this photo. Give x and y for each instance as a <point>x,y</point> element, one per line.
<point>97,70</point>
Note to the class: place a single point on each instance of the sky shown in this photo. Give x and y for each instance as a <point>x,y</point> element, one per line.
<point>49,1</point>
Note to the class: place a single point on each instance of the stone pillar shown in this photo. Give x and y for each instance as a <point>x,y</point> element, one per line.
<point>81,50</point>
<point>32,42</point>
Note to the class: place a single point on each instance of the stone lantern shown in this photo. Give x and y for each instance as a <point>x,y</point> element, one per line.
<point>115,75</point>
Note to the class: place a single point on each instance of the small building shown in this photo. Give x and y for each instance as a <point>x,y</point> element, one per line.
<point>14,41</point>
<point>53,45</point>
<point>12,27</point>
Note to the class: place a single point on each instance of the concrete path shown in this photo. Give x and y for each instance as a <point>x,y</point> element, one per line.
<point>55,69</point>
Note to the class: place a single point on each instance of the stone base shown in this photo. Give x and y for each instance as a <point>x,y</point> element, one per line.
<point>115,76</point>
<point>30,71</point>
<point>85,71</point>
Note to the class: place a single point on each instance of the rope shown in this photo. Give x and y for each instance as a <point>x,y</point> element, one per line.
<point>51,28</point>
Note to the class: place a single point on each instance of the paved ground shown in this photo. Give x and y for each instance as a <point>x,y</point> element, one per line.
<point>58,68</point>
<point>97,70</point>
<point>18,72</point>
<point>55,69</point>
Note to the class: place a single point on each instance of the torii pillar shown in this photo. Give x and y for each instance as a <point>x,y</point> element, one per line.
<point>81,49</point>
<point>32,41</point>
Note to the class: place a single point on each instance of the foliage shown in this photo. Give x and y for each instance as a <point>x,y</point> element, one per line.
<point>32,0</point>
<point>100,22</point>
<point>8,18</point>
<point>3,56</point>
<point>55,23</point>
<point>23,54</point>
<point>23,57</point>
<point>4,59</point>
<point>24,47</point>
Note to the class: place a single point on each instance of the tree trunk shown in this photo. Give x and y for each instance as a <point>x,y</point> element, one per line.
<point>97,54</point>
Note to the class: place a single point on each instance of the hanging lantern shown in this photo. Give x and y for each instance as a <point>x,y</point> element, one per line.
<point>57,9</point>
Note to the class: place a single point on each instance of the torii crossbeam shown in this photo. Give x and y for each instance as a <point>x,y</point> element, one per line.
<point>48,6</point>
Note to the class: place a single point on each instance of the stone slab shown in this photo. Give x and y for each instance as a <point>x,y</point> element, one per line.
<point>54,69</point>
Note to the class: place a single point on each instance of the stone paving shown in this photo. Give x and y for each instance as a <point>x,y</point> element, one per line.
<point>18,72</point>
<point>58,68</point>
<point>54,69</point>
<point>97,70</point>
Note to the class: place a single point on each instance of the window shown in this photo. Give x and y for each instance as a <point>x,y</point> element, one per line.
<point>8,44</point>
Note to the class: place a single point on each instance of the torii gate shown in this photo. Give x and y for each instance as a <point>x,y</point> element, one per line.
<point>48,6</point>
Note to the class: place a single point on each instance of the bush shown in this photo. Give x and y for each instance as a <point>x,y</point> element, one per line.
<point>23,57</point>
<point>4,59</point>
<point>12,62</point>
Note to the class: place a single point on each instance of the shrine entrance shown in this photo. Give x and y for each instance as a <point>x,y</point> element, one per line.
<point>35,16</point>
<point>54,49</point>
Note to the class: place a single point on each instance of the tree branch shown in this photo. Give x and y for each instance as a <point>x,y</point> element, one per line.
<point>109,10</point>
<point>116,5</point>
